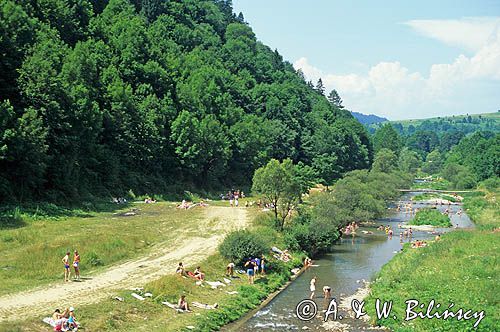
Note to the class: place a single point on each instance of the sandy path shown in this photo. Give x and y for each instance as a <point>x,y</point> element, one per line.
<point>134,273</point>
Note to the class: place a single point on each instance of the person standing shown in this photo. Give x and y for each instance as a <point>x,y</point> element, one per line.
<point>76,265</point>
<point>67,271</point>
<point>312,287</point>
<point>250,265</point>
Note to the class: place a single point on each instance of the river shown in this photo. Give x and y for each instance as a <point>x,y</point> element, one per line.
<point>351,261</point>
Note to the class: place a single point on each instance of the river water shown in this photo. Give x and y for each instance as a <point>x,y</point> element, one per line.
<point>352,261</point>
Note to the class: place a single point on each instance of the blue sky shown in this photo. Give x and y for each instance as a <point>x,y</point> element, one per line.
<point>399,59</point>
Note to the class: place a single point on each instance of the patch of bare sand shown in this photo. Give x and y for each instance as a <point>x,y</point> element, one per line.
<point>158,262</point>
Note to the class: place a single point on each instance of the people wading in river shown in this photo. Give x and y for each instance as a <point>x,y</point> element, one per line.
<point>312,287</point>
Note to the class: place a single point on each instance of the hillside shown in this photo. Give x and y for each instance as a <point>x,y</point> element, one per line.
<point>109,98</point>
<point>368,119</point>
<point>464,123</point>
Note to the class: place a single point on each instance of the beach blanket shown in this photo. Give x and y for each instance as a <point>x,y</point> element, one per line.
<point>204,306</point>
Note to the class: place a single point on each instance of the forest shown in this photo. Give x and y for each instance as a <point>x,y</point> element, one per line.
<point>103,98</point>
<point>462,160</point>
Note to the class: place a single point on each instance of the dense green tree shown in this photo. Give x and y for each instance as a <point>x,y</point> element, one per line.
<point>387,138</point>
<point>107,96</point>
<point>409,161</point>
<point>385,161</point>
<point>334,98</point>
<point>433,162</point>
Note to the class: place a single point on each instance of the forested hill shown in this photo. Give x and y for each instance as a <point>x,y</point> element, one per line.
<point>466,124</point>
<point>99,97</point>
<point>368,119</point>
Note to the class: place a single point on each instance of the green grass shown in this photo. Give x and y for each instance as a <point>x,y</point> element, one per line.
<point>462,268</point>
<point>430,217</point>
<point>151,315</point>
<point>33,249</point>
<point>483,208</point>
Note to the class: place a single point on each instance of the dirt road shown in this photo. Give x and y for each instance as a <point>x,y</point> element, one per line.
<point>161,260</point>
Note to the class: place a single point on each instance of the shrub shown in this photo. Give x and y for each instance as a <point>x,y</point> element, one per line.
<point>312,236</point>
<point>431,217</point>
<point>241,245</point>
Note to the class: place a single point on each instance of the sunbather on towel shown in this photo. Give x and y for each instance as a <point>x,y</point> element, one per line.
<point>182,304</point>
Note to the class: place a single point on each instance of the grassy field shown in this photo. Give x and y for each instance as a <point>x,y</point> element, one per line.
<point>462,268</point>
<point>33,247</point>
<point>151,315</point>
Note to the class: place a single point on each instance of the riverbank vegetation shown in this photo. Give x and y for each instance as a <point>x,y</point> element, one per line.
<point>430,217</point>
<point>460,268</point>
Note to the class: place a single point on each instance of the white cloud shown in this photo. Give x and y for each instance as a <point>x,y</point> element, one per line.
<point>471,33</point>
<point>390,89</point>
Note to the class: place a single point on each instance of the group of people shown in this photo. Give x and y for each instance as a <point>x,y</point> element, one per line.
<point>64,321</point>
<point>254,266</point>
<point>233,196</point>
<point>351,228</point>
<point>196,274</point>
<point>327,290</point>
<point>67,267</point>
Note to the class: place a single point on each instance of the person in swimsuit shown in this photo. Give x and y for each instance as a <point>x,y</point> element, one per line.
<point>230,269</point>
<point>312,287</point>
<point>198,274</point>
<point>262,266</point>
<point>182,304</point>
<point>327,293</point>
<point>180,269</point>
<point>67,271</point>
<point>72,324</point>
<point>76,264</point>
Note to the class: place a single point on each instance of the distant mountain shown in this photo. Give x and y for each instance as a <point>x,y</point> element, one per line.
<point>368,119</point>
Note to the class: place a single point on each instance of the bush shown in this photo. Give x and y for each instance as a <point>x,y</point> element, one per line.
<point>241,245</point>
<point>431,217</point>
<point>491,183</point>
<point>312,236</point>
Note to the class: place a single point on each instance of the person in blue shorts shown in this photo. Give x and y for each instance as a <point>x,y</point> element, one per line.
<point>250,266</point>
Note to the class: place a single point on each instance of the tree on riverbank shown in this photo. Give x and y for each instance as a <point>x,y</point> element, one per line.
<point>282,185</point>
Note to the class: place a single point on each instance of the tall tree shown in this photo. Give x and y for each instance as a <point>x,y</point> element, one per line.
<point>335,99</point>
<point>320,87</point>
<point>388,138</point>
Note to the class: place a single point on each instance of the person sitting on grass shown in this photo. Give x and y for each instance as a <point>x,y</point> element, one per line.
<point>198,274</point>
<point>182,304</point>
<point>180,269</point>
<point>72,323</point>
